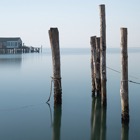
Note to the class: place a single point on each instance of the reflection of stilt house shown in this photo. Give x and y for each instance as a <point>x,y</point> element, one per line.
<point>14,45</point>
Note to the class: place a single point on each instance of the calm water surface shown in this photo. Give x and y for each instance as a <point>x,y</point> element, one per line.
<point>25,81</point>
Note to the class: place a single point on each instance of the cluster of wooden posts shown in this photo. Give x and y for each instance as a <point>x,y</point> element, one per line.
<point>98,66</point>
<point>98,59</point>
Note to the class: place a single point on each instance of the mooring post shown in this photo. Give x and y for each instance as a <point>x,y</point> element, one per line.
<point>54,41</point>
<point>103,53</point>
<point>95,63</point>
<point>93,53</point>
<point>98,80</point>
<point>124,77</point>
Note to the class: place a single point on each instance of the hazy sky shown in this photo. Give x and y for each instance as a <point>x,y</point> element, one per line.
<point>76,20</point>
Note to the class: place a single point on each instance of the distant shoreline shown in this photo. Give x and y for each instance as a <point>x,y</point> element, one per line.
<point>88,51</point>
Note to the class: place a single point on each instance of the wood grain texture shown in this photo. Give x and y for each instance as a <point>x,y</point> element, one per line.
<point>54,41</point>
<point>124,76</point>
<point>93,59</point>
<point>98,80</point>
<point>103,54</point>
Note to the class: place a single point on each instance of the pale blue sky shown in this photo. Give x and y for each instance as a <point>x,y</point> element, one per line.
<point>76,20</point>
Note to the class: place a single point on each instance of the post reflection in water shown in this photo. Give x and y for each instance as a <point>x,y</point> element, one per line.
<point>125,132</point>
<point>57,123</point>
<point>98,120</point>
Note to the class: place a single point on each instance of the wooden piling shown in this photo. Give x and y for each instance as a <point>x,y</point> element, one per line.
<point>98,81</point>
<point>93,47</point>
<point>103,53</point>
<point>95,64</point>
<point>54,41</point>
<point>124,77</point>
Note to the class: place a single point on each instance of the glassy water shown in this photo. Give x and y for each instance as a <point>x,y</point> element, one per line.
<point>25,81</point>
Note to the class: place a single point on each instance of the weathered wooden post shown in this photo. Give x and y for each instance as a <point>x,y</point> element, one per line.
<point>124,77</point>
<point>103,53</point>
<point>54,41</point>
<point>98,81</point>
<point>95,63</point>
<point>93,47</point>
<point>57,123</point>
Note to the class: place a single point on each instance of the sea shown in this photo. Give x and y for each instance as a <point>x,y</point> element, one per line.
<point>25,86</point>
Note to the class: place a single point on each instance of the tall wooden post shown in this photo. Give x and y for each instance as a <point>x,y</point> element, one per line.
<point>124,77</point>
<point>98,81</point>
<point>103,53</point>
<point>93,49</point>
<point>54,41</point>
